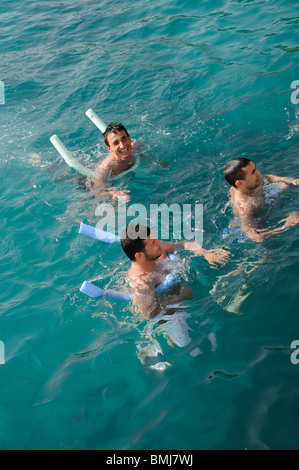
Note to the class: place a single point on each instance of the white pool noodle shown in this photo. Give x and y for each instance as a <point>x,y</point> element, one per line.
<point>96,120</point>
<point>70,159</point>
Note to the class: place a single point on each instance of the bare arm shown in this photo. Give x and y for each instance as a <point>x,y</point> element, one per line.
<point>139,146</point>
<point>144,301</point>
<point>102,174</point>
<point>99,187</point>
<point>284,179</point>
<point>143,298</point>
<point>217,255</point>
<point>148,159</point>
<point>259,235</point>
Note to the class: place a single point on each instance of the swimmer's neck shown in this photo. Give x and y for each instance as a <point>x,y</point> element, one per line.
<point>146,266</point>
<point>139,267</point>
<point>243,192</point>
<point>130,158</point>
<point>120,159</point>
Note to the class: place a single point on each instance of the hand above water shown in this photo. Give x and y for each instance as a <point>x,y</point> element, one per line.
<point>217,255</point>
<point>292,219</point>
<point>120,193</point>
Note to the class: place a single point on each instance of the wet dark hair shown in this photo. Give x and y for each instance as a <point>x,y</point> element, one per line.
<point>132,239</point>
<point>113,128</point>
<point>233,170</point>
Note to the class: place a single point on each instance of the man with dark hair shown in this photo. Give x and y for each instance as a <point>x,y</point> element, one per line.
<point>113,128</point>
<point>233,170</point>
<point>122,157</point>
<point>248,197</point>
<point>151,265</point>
<point>133,241</point>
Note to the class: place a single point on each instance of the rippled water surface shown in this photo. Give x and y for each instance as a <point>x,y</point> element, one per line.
<point>199,83</point>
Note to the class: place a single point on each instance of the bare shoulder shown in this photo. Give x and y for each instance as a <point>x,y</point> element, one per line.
<point>231,195</point>
<point>244,206</point>
<point>139,282</point>
<point>106,164</point>
<point>105,168</point>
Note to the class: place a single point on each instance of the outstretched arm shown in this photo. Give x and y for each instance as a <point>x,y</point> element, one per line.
<point>259,235</point>
<point>148,159</point>
<point>139,146</point>
<point>284,179</point>
<point>217,255</point>
<point>214,256</point>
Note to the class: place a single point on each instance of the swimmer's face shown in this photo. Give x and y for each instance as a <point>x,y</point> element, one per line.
<point>252,177</point>
<point>152,248</point>
<point>119,144</point>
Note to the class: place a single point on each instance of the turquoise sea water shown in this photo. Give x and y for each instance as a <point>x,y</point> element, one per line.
<point>200,83</point>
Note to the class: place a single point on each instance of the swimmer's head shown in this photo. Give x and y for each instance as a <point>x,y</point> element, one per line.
<point>113,128</point>
<point>233,170</point>
<point>117,140</point>
<point>133,238</point>
<point>139,244</point>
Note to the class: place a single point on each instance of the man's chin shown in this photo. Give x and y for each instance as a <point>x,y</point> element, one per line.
<point>124,156</point>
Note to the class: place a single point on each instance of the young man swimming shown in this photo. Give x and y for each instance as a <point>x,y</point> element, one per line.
<point>248,197</point>
<point>150,266</point>
<point>121,158</point>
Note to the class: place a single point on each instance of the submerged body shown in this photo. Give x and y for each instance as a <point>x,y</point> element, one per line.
<point>248,198</point>
<point>150,266</point>
<point>121,157</point>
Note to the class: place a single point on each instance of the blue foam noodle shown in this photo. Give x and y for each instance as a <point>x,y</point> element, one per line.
<point>170,280</point>
<point>93,291</point>
<point>237,232</point>
<point>98,234</point>
<point>113,294</point>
